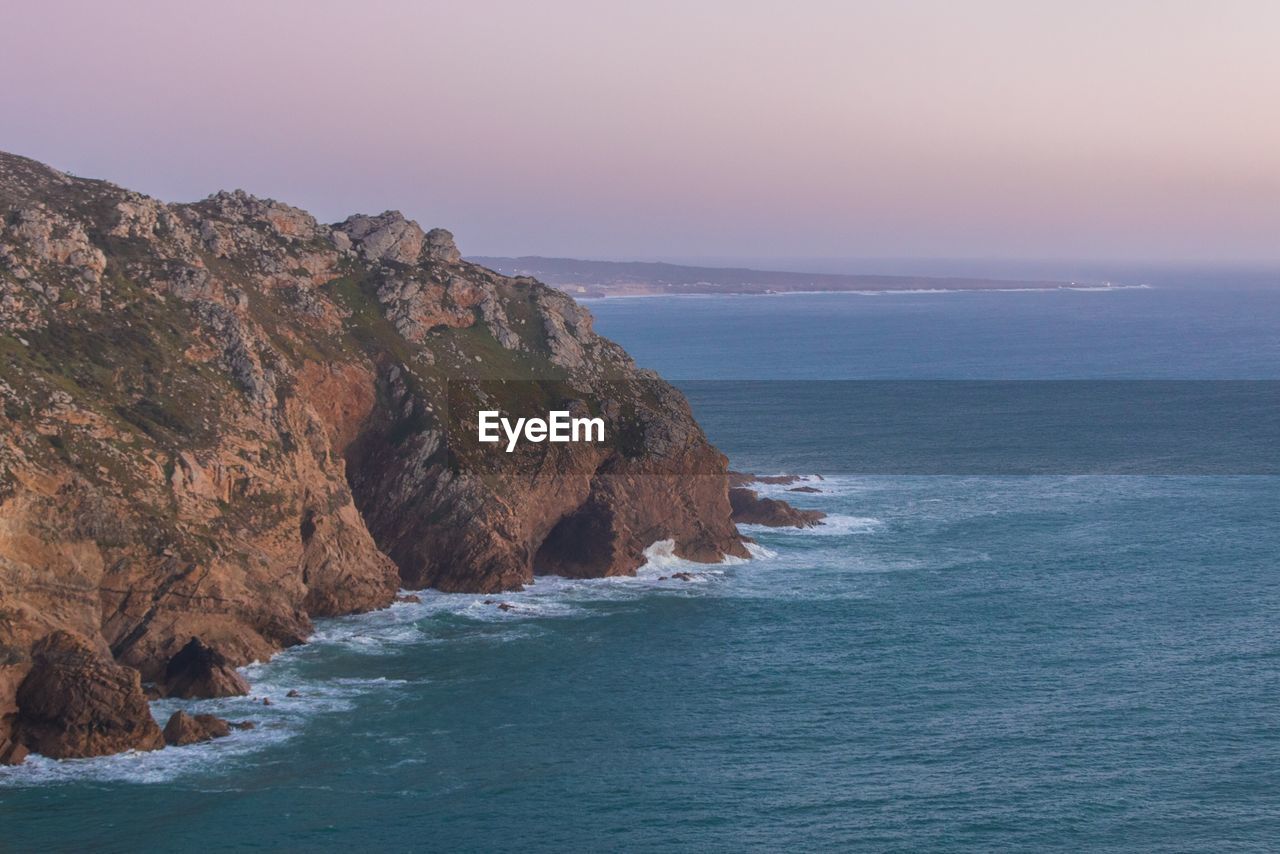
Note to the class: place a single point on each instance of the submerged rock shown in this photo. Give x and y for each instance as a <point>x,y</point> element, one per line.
<point>739,478</point>
<point>779,479</point>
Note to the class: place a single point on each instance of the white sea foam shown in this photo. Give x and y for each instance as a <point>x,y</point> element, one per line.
<point>375,633</point>
<point>157,766</point>
<point>835,525</point>
<point>759,552</point>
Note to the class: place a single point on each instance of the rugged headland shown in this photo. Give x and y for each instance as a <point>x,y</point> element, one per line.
<point>221,420</point>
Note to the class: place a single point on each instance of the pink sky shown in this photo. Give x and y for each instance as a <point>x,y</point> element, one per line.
<point>1124,129</point>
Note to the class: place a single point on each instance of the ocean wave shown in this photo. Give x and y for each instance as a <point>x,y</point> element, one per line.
<point>144,767</point>
<point>827,486</point>
<point>387,631</point>
<point>835,525</point>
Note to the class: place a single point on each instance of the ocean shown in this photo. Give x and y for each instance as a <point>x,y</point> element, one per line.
<point>964,658</point>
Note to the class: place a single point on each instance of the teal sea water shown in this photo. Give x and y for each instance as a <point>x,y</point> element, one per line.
<point>952,663</point>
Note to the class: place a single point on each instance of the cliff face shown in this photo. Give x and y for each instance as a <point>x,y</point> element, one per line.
<point>223,419</point>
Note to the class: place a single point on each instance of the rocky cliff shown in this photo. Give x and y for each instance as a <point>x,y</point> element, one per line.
<point>221,420</point>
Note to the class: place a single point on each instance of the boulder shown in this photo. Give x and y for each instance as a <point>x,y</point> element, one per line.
<point>201,672</point>
<point>183,728</point>
<point>439,246</point>
<point>386,237</point>
<point>77,702</point>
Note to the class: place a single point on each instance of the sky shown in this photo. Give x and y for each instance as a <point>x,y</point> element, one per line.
<point>1124,129</point>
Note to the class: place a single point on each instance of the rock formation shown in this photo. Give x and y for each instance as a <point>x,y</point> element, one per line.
<point>750,509</point>
<point>221,420</point>
<point>198,672</point>
<point>76,702</point>
<point>183,728</point>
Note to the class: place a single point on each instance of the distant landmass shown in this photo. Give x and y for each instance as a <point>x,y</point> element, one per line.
<point>643,278</point>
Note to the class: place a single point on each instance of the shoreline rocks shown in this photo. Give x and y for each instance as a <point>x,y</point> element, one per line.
<point>222,420</point>
<point>183,729</point>
<point>76,702</point>
<point>750,509</point>
<point>199,672</point>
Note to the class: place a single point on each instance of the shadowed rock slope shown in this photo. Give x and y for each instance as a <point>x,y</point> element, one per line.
<point>223,419</point>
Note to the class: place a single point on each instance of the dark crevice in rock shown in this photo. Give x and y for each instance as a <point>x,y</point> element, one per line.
<point>579,545</point>
<point>307,529</point>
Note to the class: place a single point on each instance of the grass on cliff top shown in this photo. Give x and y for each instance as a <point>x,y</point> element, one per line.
<point>375,335</point>
<point>469,353</point>
<point>126,365</point>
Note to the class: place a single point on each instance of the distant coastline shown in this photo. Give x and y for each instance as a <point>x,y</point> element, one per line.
<point>595,279</point>
<point>594,296</point>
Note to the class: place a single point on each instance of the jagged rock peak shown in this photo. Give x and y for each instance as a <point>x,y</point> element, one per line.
<point>237,206</point>
<point>441,247</point>
<point>390,236</point>
<point>385,237</point>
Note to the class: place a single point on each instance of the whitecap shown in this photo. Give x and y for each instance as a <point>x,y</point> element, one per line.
<point>374,633</point>
<point>835,525</point>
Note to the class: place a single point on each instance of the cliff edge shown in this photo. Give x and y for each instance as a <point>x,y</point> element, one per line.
<point>221,420</point>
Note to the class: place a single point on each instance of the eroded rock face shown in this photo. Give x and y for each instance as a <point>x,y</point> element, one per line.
<point>13,752</point>
<point>76,702</point>
<point>183,729</point>
<point>200,672</point>
<point>223,419</point>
